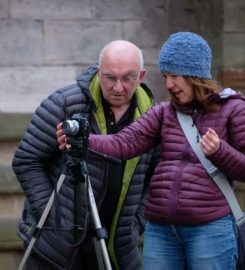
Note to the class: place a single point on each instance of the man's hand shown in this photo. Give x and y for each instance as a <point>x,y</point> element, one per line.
<point>62,138</point>
<point>210,142</point>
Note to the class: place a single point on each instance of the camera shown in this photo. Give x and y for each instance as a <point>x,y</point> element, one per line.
<point>77,126</point>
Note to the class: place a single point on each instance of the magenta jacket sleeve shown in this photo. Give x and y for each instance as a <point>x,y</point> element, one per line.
<point>133,140</point>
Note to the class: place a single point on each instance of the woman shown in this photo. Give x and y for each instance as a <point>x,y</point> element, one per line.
<point>190,225</point>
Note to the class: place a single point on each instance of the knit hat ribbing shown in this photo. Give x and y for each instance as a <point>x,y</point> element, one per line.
<point>186,54</point>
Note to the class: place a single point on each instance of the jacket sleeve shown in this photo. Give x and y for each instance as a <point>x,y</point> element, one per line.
<point>35,151</point>
<point>230,158</point>
<point>134,140</point>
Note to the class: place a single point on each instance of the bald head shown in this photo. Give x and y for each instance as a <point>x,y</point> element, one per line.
<point>120,71</point>
<point>121,51</point>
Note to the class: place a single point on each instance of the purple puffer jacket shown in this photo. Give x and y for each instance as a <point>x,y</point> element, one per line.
<point>181,191</point>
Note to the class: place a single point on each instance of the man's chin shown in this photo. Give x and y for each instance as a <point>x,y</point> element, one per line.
<point>117,100</point>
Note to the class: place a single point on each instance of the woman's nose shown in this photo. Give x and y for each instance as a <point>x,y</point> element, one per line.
<point>169,83</point>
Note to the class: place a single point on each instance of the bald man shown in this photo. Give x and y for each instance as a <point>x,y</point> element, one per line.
<point>113,95</point>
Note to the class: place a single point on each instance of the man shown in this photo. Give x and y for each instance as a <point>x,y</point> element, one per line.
<point>113,94</point>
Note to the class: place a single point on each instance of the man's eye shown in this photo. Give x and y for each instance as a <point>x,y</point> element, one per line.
<point>127,79</point>
<point>111,78</point>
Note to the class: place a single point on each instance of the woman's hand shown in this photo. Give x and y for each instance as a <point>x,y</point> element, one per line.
<point>210,142</point>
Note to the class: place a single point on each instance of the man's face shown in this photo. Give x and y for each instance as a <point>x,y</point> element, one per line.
<point>119,80</point>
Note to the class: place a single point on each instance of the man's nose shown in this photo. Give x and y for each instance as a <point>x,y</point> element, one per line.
<point>118,85</point>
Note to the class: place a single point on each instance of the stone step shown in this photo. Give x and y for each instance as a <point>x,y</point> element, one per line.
<point>13,125</point>
<point>10,259</point>
<point>8,234</point>
<point>8,182</point>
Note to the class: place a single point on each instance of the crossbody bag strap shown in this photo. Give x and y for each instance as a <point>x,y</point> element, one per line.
<point>191,132</point>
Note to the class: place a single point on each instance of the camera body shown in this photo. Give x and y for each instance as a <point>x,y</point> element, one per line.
<point>77,126</point>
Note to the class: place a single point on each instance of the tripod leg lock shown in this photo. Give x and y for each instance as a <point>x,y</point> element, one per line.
<point>101,233</point>
<point>37,232</point>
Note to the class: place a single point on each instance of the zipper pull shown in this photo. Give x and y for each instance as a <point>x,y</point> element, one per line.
<point>194,117</point>
<point>197,137</point>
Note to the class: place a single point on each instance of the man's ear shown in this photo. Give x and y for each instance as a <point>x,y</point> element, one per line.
<point>142,74</point>
<point>98,70</point>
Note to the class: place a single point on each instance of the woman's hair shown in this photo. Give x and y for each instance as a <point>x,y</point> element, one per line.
<point>204,90</point>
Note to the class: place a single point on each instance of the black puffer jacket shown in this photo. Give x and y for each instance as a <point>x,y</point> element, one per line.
<point>38,165</point>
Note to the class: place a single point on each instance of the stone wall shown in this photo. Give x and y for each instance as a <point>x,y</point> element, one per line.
<point>45,44</point>
<point>233,68</point>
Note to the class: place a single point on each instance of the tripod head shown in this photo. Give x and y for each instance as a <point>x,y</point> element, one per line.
<point>77,128</point>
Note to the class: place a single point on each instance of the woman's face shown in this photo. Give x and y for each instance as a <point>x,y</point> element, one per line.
<point>179,88</point>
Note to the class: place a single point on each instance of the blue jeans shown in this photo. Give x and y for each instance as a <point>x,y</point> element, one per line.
<point>210,246</point>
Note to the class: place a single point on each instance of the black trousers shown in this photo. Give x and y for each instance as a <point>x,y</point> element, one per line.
<point>85,260</point>
<point>82,263</point>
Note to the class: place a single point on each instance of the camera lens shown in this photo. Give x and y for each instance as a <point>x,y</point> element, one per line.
<point>70,127</point>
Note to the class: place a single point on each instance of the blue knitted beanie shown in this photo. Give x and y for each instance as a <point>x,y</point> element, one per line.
<point>187,54</point>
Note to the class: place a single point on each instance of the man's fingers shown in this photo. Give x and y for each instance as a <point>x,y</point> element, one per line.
<point>62,139</point>
<point>59,126</point>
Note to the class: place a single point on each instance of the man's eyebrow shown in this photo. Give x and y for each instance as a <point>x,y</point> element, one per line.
<point>129,73</point>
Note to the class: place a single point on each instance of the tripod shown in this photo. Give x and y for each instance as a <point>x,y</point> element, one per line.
<point>78,152</point>
<point>83,178</point>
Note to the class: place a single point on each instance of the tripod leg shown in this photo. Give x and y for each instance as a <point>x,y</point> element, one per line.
<point>97,223</point>
<point>41,221</point>
<point>98,252</point>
